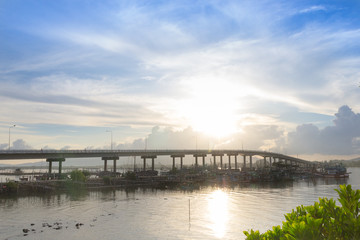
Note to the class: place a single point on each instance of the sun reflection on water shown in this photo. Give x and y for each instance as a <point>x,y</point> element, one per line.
<point>218,212</point>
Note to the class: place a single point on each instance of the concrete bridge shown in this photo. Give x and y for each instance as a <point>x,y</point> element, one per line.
<point>114,155</point>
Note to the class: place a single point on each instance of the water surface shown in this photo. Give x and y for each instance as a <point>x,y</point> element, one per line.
<point>207,213</point>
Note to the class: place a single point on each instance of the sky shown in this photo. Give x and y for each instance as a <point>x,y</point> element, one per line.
<point>279,76</point>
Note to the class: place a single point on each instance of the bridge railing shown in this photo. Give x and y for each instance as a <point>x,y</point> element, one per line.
<point>149,151</point>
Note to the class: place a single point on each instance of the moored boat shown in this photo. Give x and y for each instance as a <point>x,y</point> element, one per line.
<point>337,171</point>
<point>18,171</point>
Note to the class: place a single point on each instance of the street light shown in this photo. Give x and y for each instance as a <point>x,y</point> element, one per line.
<point>9,133</point>
<point>111,147</point>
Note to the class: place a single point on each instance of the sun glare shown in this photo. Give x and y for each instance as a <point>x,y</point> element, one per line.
<point>218,212</point>
<point>212,109</point>
<point>214,125</point>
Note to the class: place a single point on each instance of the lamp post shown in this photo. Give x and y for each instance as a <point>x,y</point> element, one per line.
<point>111,147</point>
<point>9,133</point>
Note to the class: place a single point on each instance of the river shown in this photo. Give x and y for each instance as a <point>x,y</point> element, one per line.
<point>206,213</point>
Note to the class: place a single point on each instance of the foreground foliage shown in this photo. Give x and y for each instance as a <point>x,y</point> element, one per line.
<point>130,175</point>
<point>107,180</point>
<point>323,220</point>
<point>9,187</point>
<point>78,176</point>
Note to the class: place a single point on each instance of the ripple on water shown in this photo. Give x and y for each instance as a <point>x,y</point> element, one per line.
<point>215,213</point>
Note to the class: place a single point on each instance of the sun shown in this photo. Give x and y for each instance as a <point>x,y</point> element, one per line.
<point>214,122</point>
<point>212,110</point>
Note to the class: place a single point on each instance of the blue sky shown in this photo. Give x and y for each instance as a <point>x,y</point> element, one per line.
<point>266,74</point>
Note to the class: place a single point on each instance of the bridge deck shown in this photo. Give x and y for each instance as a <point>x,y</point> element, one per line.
<point>45,154</point>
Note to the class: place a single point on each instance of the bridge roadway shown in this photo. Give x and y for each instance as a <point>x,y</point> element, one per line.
<point>60,156</point>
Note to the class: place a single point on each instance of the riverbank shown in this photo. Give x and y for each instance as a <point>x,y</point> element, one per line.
<point>178,180</point>
<point>49,186</point>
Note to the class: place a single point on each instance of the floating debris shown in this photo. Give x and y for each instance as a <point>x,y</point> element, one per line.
<point>78,225</point>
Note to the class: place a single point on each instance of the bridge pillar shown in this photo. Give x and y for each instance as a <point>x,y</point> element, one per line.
<point>264,161</point>
<point>196,159</point>
<point>174,156</point>
<point>60,165</point>
<point>60,160</point>
<point>244,165</point>
<point>270,161</point>
<point>152,164</point>
<point>250,162</point>
<point>50,167</point>
<point>152,161</point>
<point>236,165</point>
<point>229,161</point>
<point>105,165</point>
<point>105,159</point>
<point>221,160</point>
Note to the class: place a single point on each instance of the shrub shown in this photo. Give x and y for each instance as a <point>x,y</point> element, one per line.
<point>107,180</point>
<point>130,175</point>
<point>11,186</point>
<point>63,176</point>
<point>86,173</point>
<point>77,175</point>
<point>173,171</point>
<point>323,220</point>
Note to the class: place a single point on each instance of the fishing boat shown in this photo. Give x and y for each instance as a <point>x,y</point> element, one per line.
<point>18,171</point>
<point>337,171</point>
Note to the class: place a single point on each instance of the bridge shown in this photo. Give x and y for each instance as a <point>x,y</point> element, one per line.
<point>114,155</point>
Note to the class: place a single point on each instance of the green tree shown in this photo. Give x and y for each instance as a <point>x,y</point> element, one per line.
<point>323,220</point>
<point>77,175</point>
<point>86,173</point>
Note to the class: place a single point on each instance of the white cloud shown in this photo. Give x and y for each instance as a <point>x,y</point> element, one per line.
<point>20,144</point>
<point>4,146</point>
<point>105,41</point>
<point>340,139</point>
<point>177,65</point>
<point>313,9</point>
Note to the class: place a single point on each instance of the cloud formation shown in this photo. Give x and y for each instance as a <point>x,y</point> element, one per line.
<point>20,144</point>
<point>253,71</point>
<point>340,139</point>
